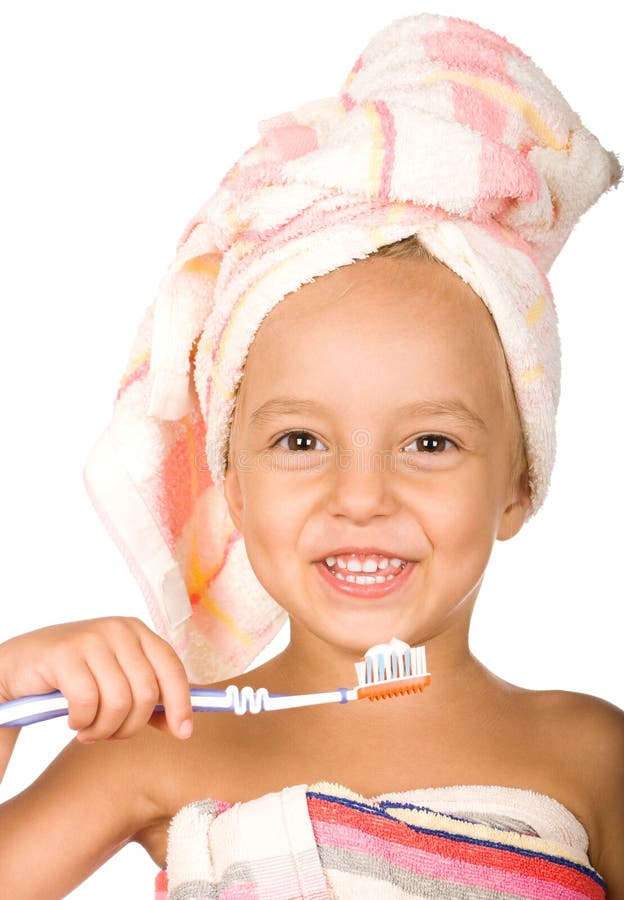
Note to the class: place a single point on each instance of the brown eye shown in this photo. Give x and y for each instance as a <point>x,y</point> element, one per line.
<point>297,440</point>
<point>432,443</point>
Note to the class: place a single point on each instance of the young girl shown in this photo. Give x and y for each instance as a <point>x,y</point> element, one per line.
<point>303,412</point>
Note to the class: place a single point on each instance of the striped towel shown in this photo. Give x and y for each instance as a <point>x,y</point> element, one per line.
<point>324,841</point>
<point>161,886</point>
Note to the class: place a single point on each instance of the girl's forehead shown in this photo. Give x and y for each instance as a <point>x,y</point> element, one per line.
<point>371,330</point>
<point>379,308</point>
<point>412,289</point>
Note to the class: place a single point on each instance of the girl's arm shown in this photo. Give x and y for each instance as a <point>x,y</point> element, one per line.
<point>601,764</point>
<point>87,805</point>
<point>8,737</point>
<point>96,795</point>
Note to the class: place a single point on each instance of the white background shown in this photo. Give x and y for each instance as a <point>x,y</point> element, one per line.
<point>119,120</point>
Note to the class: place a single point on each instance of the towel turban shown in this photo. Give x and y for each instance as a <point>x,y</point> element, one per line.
<point>441,128</point>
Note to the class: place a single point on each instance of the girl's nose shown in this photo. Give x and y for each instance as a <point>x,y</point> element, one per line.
<point>361,485</point>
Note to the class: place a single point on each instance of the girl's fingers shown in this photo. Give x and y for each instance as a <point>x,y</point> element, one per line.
<point>115,696</point>
<point>144,689</point>
<point>113,672</point>
<point>81,690</point>
<point>173,683</point>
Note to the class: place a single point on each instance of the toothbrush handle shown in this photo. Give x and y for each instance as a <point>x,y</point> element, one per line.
<point>33,708</point>
<point>288,701</point>
<point>40,707</point>
<point>247,700</point>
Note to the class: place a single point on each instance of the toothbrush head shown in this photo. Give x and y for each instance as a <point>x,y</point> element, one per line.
<point>388,670</point>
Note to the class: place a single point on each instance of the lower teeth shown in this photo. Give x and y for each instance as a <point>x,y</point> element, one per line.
<point>364,579</point>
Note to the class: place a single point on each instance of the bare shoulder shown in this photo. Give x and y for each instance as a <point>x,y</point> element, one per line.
<point>587,741</point>
<point>589,730</point>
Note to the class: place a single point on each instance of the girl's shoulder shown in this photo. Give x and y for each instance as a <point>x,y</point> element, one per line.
<point>585,736</point>
<point>582,727</point>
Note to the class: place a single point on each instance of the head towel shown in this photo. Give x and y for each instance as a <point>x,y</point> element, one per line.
<point>443,129</point>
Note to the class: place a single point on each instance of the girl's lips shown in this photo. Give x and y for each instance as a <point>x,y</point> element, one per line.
<point>353,589</point>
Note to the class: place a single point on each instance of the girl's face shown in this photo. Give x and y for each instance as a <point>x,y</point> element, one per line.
<point>325,453</point>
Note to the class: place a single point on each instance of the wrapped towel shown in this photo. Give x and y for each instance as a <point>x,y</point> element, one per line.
<point>325,842</point>
<point>441,128</point>
<point>161,886</point>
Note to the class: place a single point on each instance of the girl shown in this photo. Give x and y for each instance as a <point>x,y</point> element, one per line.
<point>390,418</point>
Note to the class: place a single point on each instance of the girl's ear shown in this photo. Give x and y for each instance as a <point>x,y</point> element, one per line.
<point>233,495</point>
<point>518,505</point>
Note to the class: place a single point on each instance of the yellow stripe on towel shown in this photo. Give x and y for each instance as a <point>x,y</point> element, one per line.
<point>533,374</point>
<point>507,96</point>
<point>535,312</point>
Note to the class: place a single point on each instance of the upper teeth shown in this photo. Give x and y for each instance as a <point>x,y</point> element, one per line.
<point>370,564</point>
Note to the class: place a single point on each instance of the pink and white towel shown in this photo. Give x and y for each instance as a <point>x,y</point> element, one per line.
<point>326,842</point>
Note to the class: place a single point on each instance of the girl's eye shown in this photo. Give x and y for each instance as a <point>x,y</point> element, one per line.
<point>432,444</point>
<point>298,440</point>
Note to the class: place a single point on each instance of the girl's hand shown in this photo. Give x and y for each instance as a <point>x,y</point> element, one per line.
<point>113,672</point>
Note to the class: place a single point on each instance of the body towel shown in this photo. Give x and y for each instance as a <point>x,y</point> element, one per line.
<point>326,842</point>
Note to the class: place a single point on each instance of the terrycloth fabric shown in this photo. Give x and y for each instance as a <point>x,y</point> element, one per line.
<point>326,842</point>
<point>441,128</point>
<point>161,886</point>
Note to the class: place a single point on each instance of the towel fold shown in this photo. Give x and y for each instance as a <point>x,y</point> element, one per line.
<point>326,842</point>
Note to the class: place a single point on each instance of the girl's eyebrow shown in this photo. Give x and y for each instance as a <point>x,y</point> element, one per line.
<point>279,406</point>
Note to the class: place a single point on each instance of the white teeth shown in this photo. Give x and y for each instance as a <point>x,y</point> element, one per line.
<point>364,579</point>
<point>370,565</point>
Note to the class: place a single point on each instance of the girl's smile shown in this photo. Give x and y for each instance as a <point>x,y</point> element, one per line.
<point>351,585</point>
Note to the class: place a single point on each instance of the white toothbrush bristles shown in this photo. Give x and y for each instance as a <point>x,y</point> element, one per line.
<point>387,662</point>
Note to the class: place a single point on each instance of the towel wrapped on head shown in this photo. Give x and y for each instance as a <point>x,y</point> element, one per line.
<point>443,129</point>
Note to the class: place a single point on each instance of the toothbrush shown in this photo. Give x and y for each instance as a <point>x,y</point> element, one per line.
<point>386,670</point>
